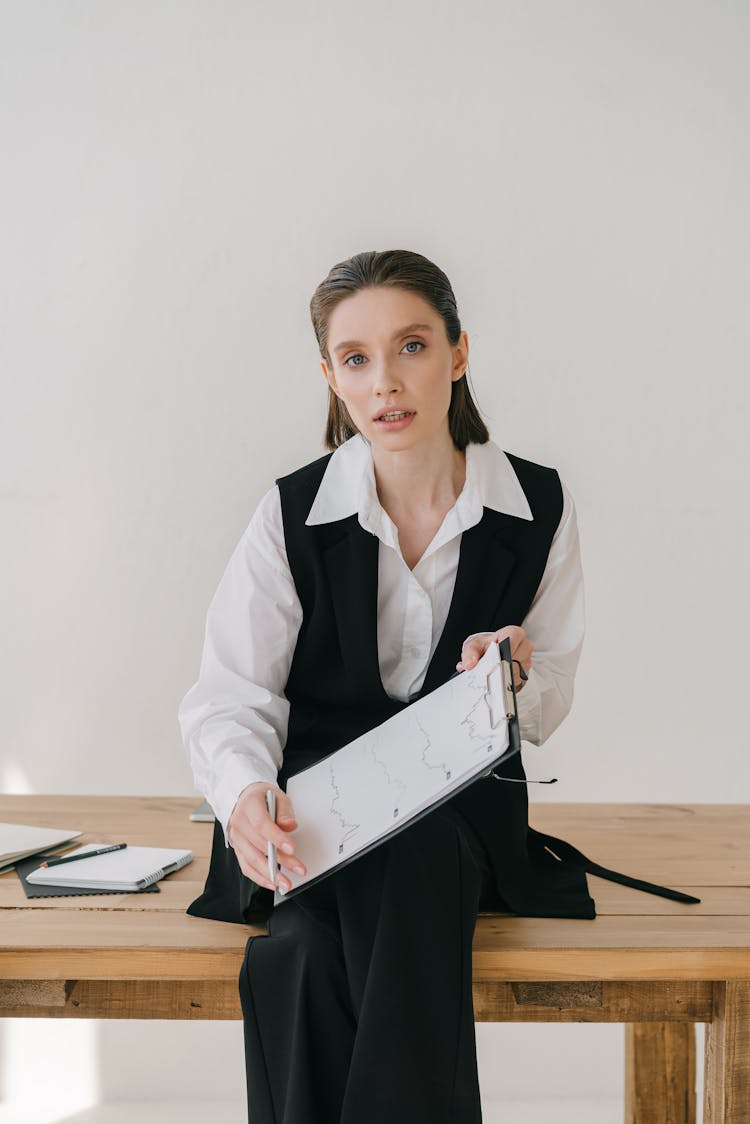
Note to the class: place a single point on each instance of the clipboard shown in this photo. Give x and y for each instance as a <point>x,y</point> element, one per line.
<point>489,731</point>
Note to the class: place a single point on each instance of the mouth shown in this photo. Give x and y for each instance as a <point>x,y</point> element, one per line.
<point>394,416</point>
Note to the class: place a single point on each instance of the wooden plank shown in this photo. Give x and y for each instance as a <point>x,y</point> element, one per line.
<point>592,1001</point>
<point>48,806</point>
<point>630,825</point>
<point>579,1001</point>
<point>37,994</point>
<point>678,873</point>
<point>177,893</point>
<point>620,934</point>
<point>660,1073</point>
<point>69,944</point>
<point>599,964</point>
<point>101,931</point>
<point>681,845</point>
<point>611,817</point>
<point>727,1055</point>
<point>222,963</point>
<point>684,845</point>
<point>613,900</point>
<point>625,821</point>
<point>133,999</point>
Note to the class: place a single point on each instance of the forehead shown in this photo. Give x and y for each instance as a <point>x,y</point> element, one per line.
<point>373,314</point>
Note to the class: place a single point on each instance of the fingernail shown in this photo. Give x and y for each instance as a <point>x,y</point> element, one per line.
<point>287,847</point>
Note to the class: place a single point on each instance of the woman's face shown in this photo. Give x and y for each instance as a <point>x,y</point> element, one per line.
<point>377,366</point>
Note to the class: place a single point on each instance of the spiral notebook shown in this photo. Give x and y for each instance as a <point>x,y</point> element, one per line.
<point>133,868</point>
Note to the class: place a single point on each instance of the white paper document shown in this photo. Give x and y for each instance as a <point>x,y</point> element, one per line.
<point>20,840</point>
<point>378,783</point>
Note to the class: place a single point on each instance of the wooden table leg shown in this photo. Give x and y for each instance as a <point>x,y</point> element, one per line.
<point>660,1073</point>
<point>727,1077</point>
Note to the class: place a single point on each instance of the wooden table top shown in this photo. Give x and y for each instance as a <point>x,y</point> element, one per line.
<point>703,849</point>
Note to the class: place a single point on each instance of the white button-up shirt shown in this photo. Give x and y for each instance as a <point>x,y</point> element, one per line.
<point>234,719</point>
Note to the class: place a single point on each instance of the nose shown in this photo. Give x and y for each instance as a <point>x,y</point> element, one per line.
<point>385,382</point>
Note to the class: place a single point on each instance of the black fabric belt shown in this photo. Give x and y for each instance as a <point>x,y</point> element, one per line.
<point>564,852</point>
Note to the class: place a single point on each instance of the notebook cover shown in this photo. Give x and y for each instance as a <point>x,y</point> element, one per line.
<point>26,865</point>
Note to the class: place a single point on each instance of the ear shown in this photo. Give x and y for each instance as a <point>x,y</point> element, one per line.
<point>460,357</point>
<point>329,376</point>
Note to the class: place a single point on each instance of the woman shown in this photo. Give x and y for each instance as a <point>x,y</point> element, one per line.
<point>363,581</point>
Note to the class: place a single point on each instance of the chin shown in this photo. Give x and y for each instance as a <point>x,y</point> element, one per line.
<point>388,440</point>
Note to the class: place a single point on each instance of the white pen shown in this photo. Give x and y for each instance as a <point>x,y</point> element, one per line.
<point>271,847</point>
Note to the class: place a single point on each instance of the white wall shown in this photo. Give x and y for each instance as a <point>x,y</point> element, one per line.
<point>178,177</point>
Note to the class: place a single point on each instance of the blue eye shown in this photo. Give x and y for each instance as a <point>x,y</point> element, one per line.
<point>358,355</point>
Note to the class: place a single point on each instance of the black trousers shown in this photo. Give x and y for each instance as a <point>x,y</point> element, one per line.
<point>358,1004</point>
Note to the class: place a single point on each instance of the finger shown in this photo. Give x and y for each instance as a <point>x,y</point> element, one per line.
<point>523,654</point>
<point>284,810</point>
<point>518,679</point>
<point>473,650</point>
<point>260,841</point>
<point>266,831</point>
<point>253,864</point>
<point>260,829</point>
<point>285,822</point>
<point>512,632</point>
<point>278,836</point>
<point>521,648</point>
<point>292,863</point>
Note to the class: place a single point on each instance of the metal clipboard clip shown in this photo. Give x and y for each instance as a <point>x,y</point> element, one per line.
<point>504,668</point>
<point>511,713</point>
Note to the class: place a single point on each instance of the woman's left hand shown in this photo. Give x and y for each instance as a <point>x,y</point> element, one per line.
<point>520,649</point>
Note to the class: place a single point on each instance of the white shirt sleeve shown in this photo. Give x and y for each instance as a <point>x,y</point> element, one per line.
<point>555,624</point>
<point>234,719</point>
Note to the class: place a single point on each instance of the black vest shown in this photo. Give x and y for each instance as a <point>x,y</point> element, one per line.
<point>336,693</point>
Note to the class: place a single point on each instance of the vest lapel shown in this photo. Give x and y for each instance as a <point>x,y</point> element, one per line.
<point>351,563</point>
<point>484,568</point>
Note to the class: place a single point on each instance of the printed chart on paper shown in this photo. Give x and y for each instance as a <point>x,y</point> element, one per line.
<point>386,777</point>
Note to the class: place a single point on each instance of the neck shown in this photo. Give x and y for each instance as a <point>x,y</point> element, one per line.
<point>420,480</point>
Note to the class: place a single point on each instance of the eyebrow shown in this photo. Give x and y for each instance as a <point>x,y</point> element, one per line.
<point>396,335</point>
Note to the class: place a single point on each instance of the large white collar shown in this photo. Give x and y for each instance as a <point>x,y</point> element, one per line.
<point>348,484</point>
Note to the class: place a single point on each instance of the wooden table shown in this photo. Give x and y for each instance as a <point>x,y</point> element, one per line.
<point>656,965</point>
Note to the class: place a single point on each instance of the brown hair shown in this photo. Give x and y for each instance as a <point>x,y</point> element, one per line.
<point>400,269</point>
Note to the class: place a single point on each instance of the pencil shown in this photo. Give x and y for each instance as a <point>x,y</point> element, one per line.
<point>85,855</point>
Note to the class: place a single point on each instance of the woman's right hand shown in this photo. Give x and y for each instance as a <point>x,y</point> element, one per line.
<point>250,828</point>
